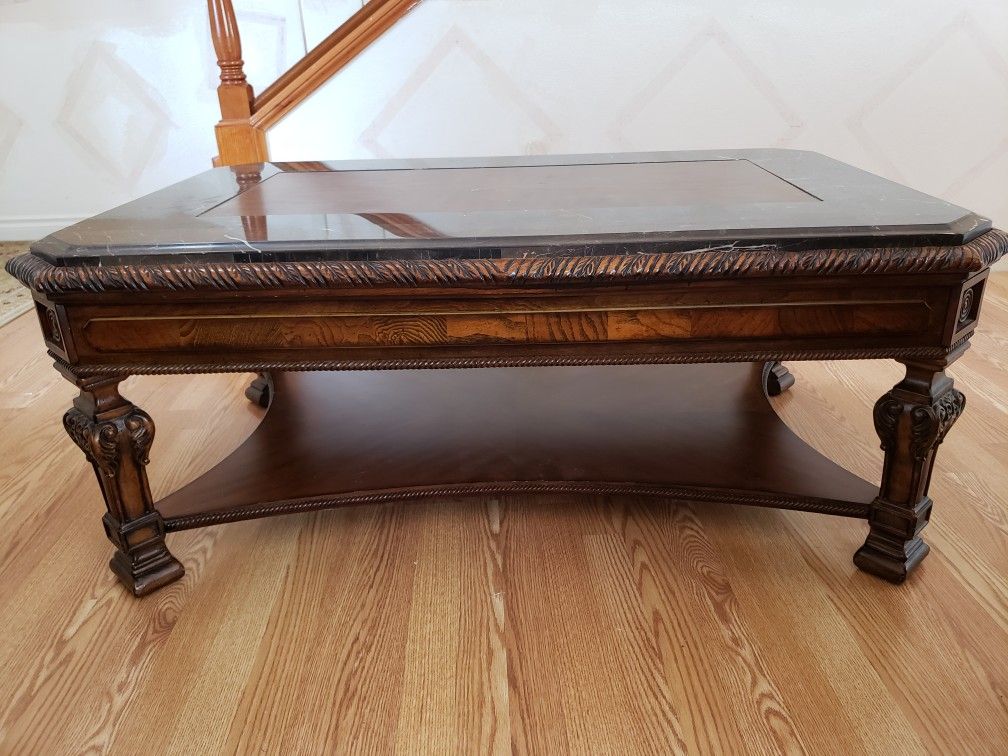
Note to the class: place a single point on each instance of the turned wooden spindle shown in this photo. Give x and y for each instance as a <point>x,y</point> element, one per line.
<point>236,98</point>
<point>226,41</point>
<point>238,141</point>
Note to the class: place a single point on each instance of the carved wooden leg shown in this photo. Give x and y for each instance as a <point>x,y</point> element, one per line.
<point>260,391</point>
<point>912,421</point>
<point>116,437</point>
<point>776,379</point>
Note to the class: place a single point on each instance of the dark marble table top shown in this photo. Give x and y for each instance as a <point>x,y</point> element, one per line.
<point>513,207</point>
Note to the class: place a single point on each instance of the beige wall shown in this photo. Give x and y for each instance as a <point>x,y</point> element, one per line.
<point>122,101</point>
<point>102,101</point>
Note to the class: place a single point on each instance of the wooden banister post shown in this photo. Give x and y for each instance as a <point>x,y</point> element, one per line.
<point>234,91</point>
<point>238,141</point>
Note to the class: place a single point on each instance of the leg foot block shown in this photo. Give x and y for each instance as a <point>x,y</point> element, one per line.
<point>142,561</point>
<point>892,563</point>
<point>150,577</point>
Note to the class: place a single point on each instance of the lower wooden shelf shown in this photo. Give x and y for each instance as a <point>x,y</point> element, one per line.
<point>692,432</point>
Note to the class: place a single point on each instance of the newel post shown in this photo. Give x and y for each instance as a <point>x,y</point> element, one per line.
<point>238,141</point>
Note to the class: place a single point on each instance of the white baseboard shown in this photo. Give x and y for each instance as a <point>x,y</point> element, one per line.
<point>20,228</point>
<point>17,312</point>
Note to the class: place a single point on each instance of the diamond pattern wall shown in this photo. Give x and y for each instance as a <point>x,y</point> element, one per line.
<point>10,125</point>
<point>121,101</point>
<point>112,114</point>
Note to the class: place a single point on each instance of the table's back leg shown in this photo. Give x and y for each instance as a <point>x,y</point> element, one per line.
<point>912,420</point>
<point>260,391</point>
<point>116,437</point>
<point>776,379</point>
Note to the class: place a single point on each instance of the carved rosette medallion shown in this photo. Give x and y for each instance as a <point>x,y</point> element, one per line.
<point>54,328</point>
<point>966,307</point>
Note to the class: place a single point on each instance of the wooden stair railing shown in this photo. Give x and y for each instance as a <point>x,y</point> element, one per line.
<point>237,141</point>
<point>245,117</point>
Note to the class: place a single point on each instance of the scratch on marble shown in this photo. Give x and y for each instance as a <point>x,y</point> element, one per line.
<point>243,241</point>
<point>726,248</point>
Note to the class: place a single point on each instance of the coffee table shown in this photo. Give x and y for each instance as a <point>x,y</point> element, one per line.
<point>629,313</point>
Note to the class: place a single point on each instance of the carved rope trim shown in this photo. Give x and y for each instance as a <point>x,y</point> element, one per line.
<point>725,261</point>
<point>685,493</point>
<point>499,362</point>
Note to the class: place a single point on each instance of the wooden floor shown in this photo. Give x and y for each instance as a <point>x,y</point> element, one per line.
<point>550,625</point>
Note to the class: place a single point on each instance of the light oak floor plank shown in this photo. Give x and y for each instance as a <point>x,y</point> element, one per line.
<point>546,625</point>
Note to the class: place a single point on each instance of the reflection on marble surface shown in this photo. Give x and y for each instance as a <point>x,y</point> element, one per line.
<point>514,207</point>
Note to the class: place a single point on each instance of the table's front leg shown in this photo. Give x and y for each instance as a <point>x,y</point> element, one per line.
<point>912,420</point>
<point>116,437</point>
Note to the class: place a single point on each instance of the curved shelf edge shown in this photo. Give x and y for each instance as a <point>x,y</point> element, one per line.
<point>678,493</point>
<point>704,433</point>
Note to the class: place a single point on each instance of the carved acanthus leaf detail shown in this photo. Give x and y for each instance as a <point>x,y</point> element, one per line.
<point>928,422</point>
<point>141,429</point>
<point>100,440</point>
<point>886,416</point>
<point>78,426</point>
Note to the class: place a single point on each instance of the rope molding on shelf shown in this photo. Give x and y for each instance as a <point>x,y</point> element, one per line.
<point>684,493</point>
